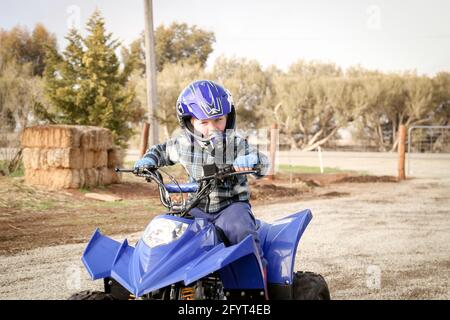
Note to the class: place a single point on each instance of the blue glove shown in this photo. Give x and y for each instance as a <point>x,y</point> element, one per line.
<point>248,161</point>
<point>144,163</point>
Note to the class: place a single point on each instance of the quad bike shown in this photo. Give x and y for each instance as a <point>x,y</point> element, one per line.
<point>183,258</point>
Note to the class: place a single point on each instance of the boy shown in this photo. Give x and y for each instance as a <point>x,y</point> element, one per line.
<point>206,113</point>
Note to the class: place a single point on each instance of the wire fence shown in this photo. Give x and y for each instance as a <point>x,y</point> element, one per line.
<point>429,139</point>
<point>428,146</point>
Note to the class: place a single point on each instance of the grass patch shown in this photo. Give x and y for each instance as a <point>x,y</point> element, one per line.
<point>42,205</point>
<point>19,172</point>
<point>285,168</point>
<point>33,204</point>
<point>128,164</point>
<point>84,190</point>
<point>114,204</point>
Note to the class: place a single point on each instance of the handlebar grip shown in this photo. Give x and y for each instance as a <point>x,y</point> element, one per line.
<point>182,187</point>
<point>228,169</point>
<point>123,170</point>
<point>139,170</point>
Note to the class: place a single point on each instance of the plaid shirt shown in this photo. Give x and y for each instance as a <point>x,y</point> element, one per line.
<point>192,155</point>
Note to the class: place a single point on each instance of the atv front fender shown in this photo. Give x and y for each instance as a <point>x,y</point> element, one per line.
<point>239,265</point>
<point>279,241</point>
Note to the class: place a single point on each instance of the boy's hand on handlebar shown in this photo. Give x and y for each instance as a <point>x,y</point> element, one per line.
<point>144,163</point>
<point>245,163</point>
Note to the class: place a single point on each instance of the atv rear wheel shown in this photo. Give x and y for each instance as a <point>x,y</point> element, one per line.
<point>310,286</point>
<point>91,295</point>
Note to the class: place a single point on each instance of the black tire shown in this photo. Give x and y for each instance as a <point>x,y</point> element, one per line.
<point>91,295</point>
<point>310,286</point>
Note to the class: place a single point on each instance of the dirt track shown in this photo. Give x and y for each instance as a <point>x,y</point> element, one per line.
<point>400,232</point>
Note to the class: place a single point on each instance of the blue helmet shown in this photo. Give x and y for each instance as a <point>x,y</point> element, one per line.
<point>204,99</point>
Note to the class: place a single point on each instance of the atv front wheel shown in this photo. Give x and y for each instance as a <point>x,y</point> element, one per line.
<point>91,295</point>
<point>310,286</point>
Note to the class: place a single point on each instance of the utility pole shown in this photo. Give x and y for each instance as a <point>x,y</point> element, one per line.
<point>150,71</point>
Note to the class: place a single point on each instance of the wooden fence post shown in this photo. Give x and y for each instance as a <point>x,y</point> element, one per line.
<point>273,149</point>
<point>401,152</point>
<point>144,139</point>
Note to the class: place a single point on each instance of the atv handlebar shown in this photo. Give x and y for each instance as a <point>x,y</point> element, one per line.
<point>211,175</point>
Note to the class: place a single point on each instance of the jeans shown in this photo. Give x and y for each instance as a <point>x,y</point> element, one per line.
<point>236,221</point>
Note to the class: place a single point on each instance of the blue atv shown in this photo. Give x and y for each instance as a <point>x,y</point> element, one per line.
<point>182,258</point>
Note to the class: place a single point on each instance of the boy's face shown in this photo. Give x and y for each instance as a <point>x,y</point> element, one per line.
<point>207,127</point>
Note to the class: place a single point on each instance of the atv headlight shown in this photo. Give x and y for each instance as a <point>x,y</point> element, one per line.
<point>163,231</point>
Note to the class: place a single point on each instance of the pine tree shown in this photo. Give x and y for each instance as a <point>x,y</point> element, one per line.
<point>86,85</point>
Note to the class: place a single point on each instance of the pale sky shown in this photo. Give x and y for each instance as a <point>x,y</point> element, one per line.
<point>389,35</point>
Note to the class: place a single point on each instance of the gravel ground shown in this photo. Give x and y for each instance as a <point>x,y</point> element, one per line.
<point>379,241</point>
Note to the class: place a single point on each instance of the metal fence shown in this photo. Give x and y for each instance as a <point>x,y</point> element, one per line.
<point>429,139</point>
<point>423,141</point>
